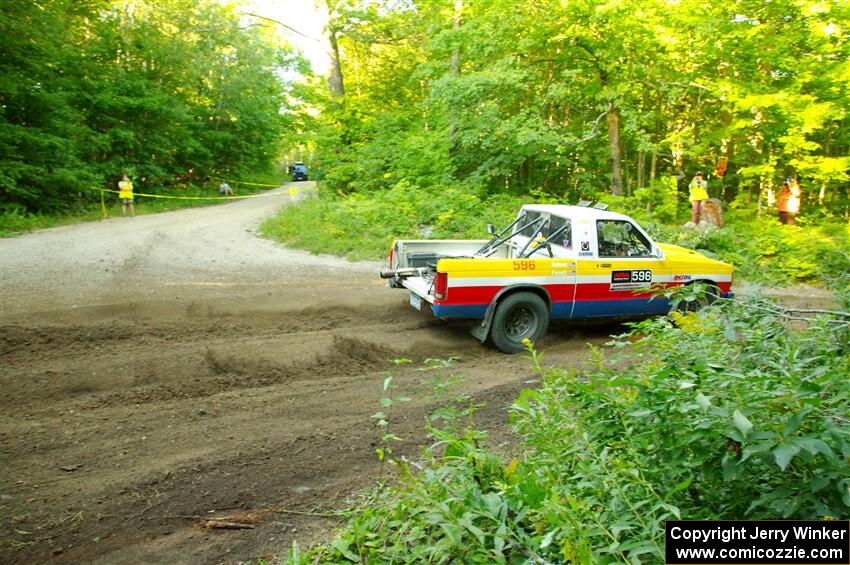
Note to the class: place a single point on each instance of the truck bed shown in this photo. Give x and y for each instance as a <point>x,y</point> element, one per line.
<point>426,252</point>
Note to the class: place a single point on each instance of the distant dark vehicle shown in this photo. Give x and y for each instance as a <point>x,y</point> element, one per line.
<point>298,171</point>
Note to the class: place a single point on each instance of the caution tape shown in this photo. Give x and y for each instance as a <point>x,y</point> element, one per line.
<point>247,183</point>
<point>102,190</point>
<point>292,192</point>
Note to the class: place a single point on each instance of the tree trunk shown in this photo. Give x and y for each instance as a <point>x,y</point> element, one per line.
<point>335,81</point>
<point>455,72</point>
<point>456,27</point>
<point>641,166</point>
<point>613,119</point>
<point>730,157</point>
<point>627,178</point>
<point>653,167</point>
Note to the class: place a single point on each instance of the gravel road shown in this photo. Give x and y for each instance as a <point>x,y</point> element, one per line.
<point>168,368</point>
<point>133,258</point>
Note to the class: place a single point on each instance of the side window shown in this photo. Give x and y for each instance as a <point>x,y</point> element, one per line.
<point>528,217</point>
<point>555,224</point>
<point>618,238</point>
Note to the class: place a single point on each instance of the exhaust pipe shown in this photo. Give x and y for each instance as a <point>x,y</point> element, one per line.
<point>400,273</point>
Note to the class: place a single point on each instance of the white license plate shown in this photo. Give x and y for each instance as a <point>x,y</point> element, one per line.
<point>416,301</point>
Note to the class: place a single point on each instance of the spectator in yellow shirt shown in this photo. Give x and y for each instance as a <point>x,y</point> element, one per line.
<point>125,195</point>
<point>697,193</point>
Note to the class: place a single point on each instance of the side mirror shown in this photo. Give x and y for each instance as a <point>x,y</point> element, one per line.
<point>491,229</point>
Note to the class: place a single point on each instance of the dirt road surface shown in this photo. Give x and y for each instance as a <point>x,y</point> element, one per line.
<point>170,368</point>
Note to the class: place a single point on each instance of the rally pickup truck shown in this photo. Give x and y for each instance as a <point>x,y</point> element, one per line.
<point>554,262</point>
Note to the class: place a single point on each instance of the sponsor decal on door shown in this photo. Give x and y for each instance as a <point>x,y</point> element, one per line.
<point>630,279</point>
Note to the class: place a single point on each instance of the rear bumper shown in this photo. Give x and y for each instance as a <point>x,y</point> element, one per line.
<point>466,311</point>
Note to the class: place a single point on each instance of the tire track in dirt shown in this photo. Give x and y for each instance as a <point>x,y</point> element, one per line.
<point>254,422</point>
<point>208,358</point>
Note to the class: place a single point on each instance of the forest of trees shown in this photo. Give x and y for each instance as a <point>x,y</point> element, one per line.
<point>575,99</point>
<point>168,91</point>
<point>552,99</point>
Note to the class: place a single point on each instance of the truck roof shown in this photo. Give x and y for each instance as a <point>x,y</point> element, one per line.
<point>576,212</point>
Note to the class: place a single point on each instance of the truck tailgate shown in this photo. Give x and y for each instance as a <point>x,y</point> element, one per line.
<point>420,287</point>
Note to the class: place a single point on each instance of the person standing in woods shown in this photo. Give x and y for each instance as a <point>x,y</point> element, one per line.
<point>697,193</point>
<point>125,195</point>
<point>224,189</point>
<point>789,201</point>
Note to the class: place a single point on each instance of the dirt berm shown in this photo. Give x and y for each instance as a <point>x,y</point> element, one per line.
<point>171,368</point>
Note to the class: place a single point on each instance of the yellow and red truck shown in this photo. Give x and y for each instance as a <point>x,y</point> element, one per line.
<point>554,262</point>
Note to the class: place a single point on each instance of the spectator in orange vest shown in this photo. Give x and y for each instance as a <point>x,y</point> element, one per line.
<point>789,201</point>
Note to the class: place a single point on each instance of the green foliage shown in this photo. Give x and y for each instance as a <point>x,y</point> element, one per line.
<point>454,408</point>
<point>17,220</point>
<point>363,225</point>
<point>727,413</point>
<point>517,98</point>
<point>659,199</point>
<point>168,92</point>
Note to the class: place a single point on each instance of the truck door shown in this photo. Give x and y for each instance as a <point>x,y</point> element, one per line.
<point>615,271</point>
<point>551,266</point>
<point>560,267</point>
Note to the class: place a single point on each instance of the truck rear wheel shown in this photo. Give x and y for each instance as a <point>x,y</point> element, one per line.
<point>520,316</point>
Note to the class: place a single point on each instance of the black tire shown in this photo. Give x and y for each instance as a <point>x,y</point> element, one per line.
<point>522,315</point>
<point>712,293</point>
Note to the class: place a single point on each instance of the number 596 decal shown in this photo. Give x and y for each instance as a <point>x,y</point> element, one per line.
<point>524,265</point>
<point>630,279</point>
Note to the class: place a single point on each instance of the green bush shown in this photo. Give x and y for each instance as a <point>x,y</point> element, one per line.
<point>362,225</point>
<point>727,413</point>
<point>762,249</point>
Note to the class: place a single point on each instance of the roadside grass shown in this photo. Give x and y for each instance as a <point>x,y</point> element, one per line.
<point>726,413</point>
<point>363,226</point>
<point>14,221</point>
